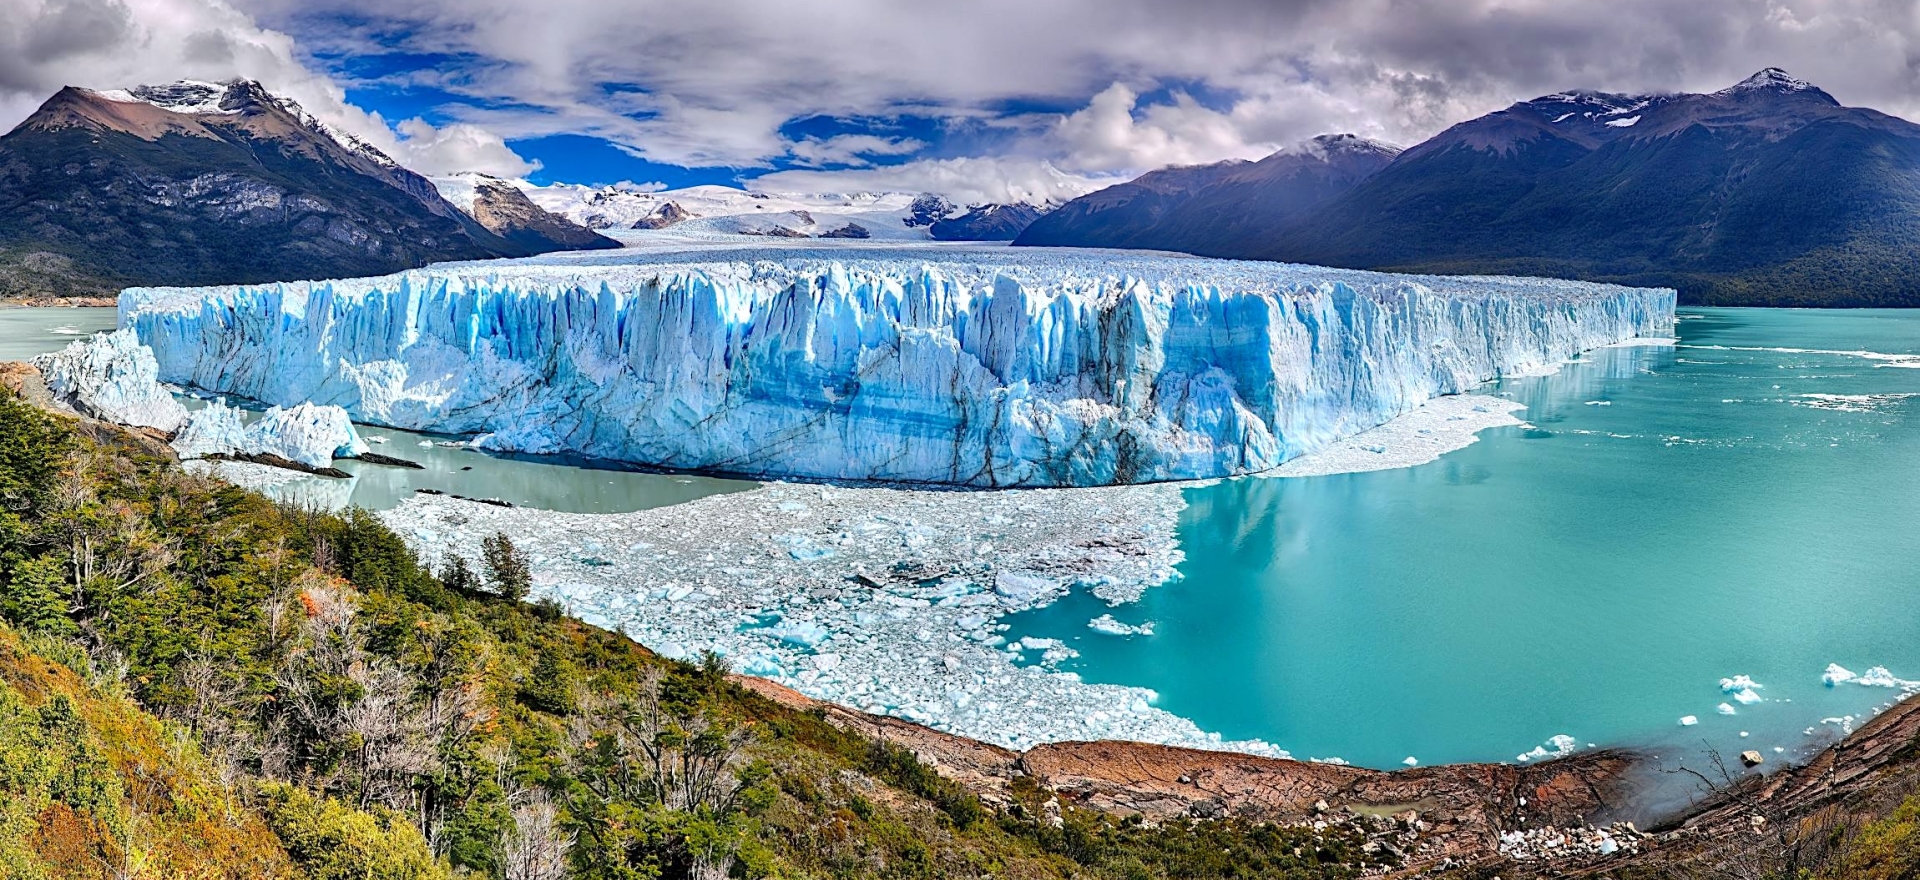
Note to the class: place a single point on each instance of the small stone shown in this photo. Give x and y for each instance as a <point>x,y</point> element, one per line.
<point>1320,806</point>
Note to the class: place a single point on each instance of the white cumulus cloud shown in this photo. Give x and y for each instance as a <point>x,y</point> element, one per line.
<point>458,147</point>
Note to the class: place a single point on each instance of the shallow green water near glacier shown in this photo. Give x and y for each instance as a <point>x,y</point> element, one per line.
<point>27,332</point>
<point>1674,516</point>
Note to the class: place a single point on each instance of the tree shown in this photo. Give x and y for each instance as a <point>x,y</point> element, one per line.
<point>33,596</point>
<point>507,569</point>
<point>457,575</point>
<point>535,847</point>
<point>31,447</point>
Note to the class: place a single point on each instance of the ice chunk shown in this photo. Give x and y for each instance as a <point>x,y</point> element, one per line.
<point>1559,745</point>
<point>311,435</point>
<point>1725,709</point>
<point>1742,688</point>
<point>1107,625</point>
<point>1688,721</point>
<point>1836,674</point>
<point>112,377</point>
<point>800,633</point>
<point>984,367</point>
<point>1878,676</point>
<point>1024,589</point>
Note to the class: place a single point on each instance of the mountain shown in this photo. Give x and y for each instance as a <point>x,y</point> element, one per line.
<point>1212,208</point>
<point>505,211</point>
<point>986,223</point>
<point>209,183</point>
<point>1766,193</point>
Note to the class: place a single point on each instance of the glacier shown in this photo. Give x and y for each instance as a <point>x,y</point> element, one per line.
<point>980,367</point>
<point>114,378</point>
<point>308,434</point>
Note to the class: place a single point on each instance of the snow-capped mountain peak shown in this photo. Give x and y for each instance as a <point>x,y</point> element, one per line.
<point>237,96</point>
<point>1770,79</point>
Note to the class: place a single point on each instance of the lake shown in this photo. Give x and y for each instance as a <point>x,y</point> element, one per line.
<point>1743,503</point>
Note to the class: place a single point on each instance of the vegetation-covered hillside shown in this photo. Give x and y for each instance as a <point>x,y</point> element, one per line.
<point>195,682</point>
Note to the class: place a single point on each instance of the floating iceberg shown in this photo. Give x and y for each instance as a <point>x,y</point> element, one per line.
<point>1742,688</point>
<point>979,367</point>
<point>1107,625</point>
<point>311,435</point>
<point>114,378</point>
<point>1559,745</point>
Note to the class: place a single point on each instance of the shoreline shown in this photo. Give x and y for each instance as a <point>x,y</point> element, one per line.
<point>59,302</point>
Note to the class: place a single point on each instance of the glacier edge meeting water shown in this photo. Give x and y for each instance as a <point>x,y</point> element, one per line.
<point>980,367</point>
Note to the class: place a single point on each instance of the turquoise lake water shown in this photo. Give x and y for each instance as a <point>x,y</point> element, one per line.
<point>1676,516</point>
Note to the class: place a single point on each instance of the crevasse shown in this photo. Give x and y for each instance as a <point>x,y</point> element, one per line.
<point>979,367</point>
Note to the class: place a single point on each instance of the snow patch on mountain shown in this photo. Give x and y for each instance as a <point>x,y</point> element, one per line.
<point>200,97</point>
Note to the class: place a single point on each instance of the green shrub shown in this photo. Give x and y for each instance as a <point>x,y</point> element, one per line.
<point>334,842</point>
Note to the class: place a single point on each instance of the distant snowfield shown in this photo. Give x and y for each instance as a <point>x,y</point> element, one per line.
<point>718,213</point>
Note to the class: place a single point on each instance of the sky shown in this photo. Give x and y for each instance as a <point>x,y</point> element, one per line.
<point>981,100</point>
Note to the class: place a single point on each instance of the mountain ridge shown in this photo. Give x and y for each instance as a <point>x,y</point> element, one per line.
<point>212,183</point>
<point>1198,207</point>
<point>1768,192</point>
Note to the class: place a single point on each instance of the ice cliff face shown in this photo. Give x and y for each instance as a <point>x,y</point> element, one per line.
<point>112,377</point>
<point>981,367</point>
<point>311,435</point>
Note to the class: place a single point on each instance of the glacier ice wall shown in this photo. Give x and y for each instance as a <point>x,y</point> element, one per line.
<point>114,378</point>
<point>982,367</point>
<point>311,435</point>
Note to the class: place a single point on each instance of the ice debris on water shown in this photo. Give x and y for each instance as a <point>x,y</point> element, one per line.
<point>983,367</point>
<point>904,617</point>
<point>1878,676</point>
<point>1688,720</point>
<point>114,378</point>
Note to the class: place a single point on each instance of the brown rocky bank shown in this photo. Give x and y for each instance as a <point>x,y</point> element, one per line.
<point>1448,816</point>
